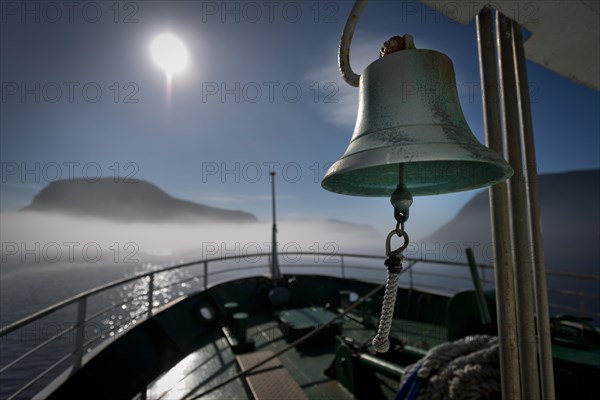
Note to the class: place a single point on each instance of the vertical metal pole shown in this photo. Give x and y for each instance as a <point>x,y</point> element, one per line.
<point>150,295</point>
<point>483,280</point>
<point>581,298</point>
<point>79,333</point>
<point>275,275</point>
<point>503,268</point>
<point>205,275</point>
<point>484,312</point>
<point>535,221</point>
<point>518,213</point>
<point>343,267</point>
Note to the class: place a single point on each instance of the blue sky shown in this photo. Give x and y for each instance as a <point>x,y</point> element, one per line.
<point>218,148</point>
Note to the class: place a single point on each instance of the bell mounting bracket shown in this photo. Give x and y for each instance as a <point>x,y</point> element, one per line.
<point>394,44</point>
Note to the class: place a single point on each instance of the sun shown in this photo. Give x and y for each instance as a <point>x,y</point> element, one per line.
<point>169,53</point>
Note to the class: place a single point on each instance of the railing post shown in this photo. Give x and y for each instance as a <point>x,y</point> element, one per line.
<point>79,333</point>
<point>581,298</point>
<point>343,266</point>
<point>205,275</point>
<point>410,277</point>
<point>482,268</point>
<point>150,295</point>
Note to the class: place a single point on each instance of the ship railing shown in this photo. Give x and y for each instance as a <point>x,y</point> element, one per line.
<point>577,287</point>
<point>76,341</point>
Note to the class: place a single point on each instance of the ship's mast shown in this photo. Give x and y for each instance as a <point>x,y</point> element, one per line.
<point>275,274</point>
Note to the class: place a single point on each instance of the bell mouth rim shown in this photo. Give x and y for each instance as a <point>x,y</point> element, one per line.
<point>447,175</point>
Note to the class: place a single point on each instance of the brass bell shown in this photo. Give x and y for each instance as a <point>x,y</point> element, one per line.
<point>409,114</point>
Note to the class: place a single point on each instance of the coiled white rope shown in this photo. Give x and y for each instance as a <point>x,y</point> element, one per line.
<point>467,369</point>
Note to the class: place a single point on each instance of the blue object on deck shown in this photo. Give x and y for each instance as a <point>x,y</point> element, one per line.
<point>410,388</point>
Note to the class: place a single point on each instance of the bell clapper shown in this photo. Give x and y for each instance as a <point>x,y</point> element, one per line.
<point>401,199</point>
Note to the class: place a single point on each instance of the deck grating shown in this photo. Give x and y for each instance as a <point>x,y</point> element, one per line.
<point>270,381</point>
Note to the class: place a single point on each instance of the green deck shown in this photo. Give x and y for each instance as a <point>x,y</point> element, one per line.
<point>214,362</point>
<point>178,354</point>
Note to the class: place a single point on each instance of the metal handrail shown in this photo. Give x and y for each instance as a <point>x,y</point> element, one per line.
<point>574,275</point>
<point>81,299</point>
<point>40,376</point>
<point>36,348</point>
<point>46,311</point>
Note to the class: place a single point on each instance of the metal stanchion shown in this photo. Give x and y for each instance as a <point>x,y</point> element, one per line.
<point>503,268</point>
<point>518,213</point>
<point>535,224</point>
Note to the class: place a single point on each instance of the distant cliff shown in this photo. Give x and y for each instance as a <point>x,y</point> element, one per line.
<point>126,201</point>
<point>570,204</point>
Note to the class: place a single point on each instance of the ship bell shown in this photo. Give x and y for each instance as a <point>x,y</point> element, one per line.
<point>409,114</point>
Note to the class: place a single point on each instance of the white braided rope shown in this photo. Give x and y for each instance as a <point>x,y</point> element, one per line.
<point>381,342</point>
